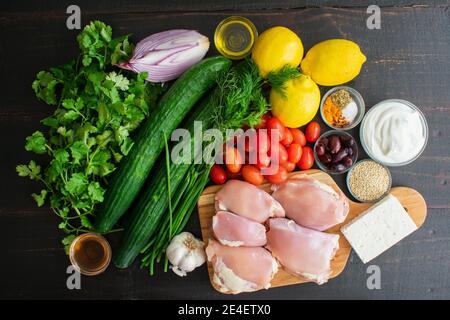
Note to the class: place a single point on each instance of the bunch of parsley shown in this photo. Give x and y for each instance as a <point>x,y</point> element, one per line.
<point>98,106</point>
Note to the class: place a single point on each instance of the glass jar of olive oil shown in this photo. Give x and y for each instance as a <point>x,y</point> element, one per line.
<point>234,37</point>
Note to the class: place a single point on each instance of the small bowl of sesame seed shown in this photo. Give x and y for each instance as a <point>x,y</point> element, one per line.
<point>369,181</point>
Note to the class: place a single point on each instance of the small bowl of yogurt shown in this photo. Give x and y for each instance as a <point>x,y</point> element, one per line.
<point>394,132</point>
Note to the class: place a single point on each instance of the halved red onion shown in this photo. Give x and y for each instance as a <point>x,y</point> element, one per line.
<point>166,55</point>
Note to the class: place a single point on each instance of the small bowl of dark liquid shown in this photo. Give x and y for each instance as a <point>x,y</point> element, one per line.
<point>90,254</point>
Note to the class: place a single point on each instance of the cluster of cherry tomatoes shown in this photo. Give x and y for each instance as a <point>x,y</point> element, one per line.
<point>292,151</point>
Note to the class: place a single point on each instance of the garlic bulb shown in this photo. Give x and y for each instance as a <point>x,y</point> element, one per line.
<point>185,253</point>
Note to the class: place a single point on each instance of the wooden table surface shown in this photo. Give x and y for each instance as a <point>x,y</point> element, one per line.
<point>408,58</point>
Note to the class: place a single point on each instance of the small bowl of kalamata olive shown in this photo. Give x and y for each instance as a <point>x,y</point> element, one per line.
<point>336,152</point>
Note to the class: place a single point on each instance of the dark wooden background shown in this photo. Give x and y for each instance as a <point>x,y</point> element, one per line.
<point>408,58</point>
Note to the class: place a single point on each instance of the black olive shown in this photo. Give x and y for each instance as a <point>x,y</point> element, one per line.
<point>350,151</point>
<point>334,144</point>
<point>350,142</point>
<point>340,155</point>
<point>320,149</point>
<point>347,162</point>
<point>325,158</point>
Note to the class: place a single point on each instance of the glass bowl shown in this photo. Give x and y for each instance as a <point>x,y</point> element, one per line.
<point>368,201</point>
<point>359,103</point>
<point>339,133</point>
<point>80,254</point>
<point>231,47</point>
<point>396,164</point>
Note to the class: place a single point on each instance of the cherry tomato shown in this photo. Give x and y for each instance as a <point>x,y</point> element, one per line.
<point>263,121</point>
<point>233,160</point>
<point>234,176</point>
<point>275,124</point>
<point>288,138</point>
<point>255,140</point>
<point>221,154</point>
<point>249,140</point>
<point>294,153</point>
<point>245,158</point>
<point>259,160</point>
<point>307,159</point>
<point>298,136</point>
<point>263,142</point>
<point>282,153</point>
<point>218,174</point>
<point>229,144</point>
<point>312,131</point>
<point>235,139</point>
<point>289,166</point>
<point>262,160</point>
<point>278,177</point>
<point>252,175</point>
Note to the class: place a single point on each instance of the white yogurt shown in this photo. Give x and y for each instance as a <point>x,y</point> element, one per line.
<point>394,132</point>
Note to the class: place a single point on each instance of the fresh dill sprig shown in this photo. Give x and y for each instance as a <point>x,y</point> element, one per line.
<point>240,99</point>
<point>278,79</point>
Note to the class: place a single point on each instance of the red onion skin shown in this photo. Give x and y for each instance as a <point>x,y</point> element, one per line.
<point>181,49</point>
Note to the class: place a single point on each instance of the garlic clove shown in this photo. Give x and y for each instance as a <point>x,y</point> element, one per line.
<point>177,255</point>
<point>188,264</point>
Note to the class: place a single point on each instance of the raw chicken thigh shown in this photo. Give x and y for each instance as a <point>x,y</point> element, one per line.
<point>241,269</point>
<point>311,203</point>
<point>301,251</point>
<point>235,231</point>
<point>248,201</point>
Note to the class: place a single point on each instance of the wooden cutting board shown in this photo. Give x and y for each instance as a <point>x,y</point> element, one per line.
<point>411,199</point>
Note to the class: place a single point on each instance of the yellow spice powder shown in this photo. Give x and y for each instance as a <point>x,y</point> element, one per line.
<point>333,114</point>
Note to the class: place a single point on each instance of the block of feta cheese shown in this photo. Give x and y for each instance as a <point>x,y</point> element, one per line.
<point>378,228</point>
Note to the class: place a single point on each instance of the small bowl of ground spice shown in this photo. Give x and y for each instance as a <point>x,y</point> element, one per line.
<point>369,181</point>
<point>342,108</point>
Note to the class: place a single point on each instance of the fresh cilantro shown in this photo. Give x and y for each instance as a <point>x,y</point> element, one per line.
<point>70,115</point>
<point>85,222</point>
<point>79,151</point>
<point>62,156</point>
<point>122,50</point>
<point>36,143</point>
<point>97,108</point>
<point>31,170</point>
<point>44,87</point>
<point>50,122</point>
<point>67,241</point>
<point>77,184</point>
<point>40,198</point>
<point>95,191</point>
<point>119,80</point>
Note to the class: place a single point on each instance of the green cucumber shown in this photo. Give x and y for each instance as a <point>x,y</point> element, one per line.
<point>153,200</point>
<point>148,144</point>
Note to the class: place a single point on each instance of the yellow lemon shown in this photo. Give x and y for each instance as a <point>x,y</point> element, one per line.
<point>300,104</point>
<point>275,48</point>
<point>333,62</point>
